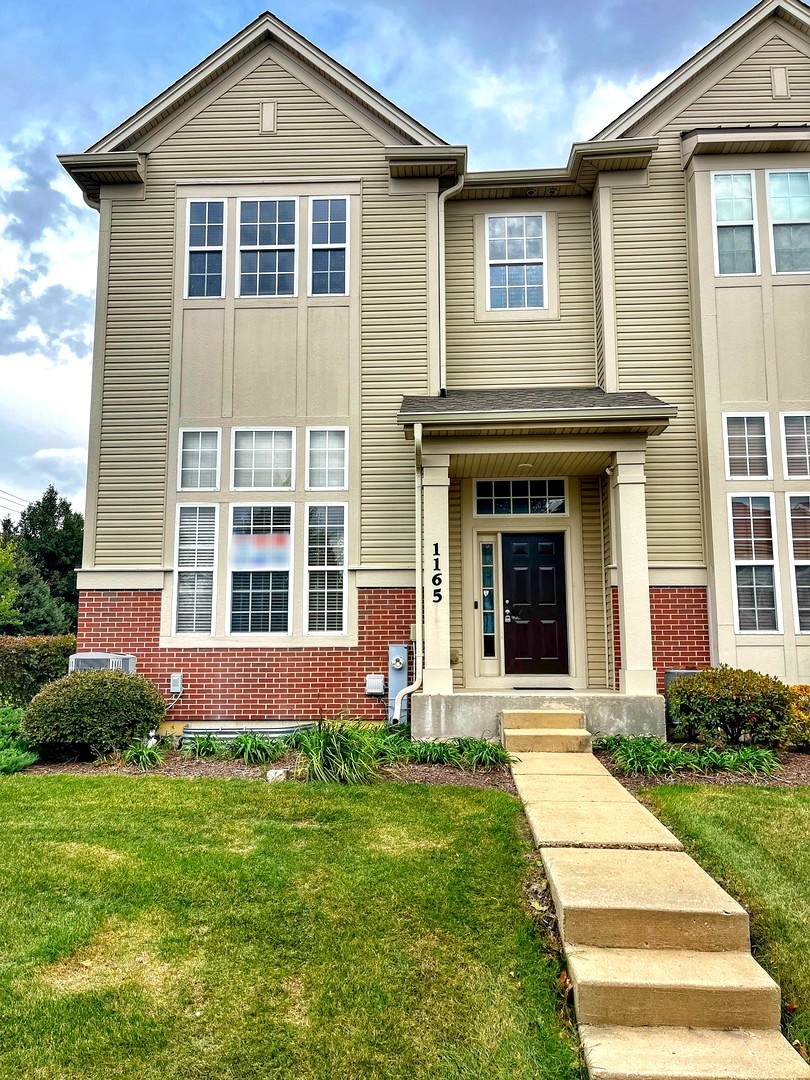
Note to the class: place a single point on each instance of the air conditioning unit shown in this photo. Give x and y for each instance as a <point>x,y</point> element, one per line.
<point>90,661</point>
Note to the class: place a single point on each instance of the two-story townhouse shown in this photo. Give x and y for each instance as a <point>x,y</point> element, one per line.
<point>552,426</point>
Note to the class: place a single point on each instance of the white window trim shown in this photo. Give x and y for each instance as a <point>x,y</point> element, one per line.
<point>726,455</point>
<point>793,562</point>
<point>735,562</point>
<point>224,248</point>
<point>247,635</point>
<point>239,249</point>
<point>771,223</point>
<point>180,435</point>
<point>783,433</point>
<point>517,262</point>
<point>343,569</point>
<point>520,517</point>
<point>237,490</point>
<point>345,485</point>
<point>330,247</point>
<point>754,222</point>
<point>178,570</point>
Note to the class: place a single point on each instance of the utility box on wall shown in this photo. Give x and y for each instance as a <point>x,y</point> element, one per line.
<point>397,679</point>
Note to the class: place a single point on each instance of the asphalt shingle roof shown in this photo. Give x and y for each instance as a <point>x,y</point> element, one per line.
<point>526,399</point>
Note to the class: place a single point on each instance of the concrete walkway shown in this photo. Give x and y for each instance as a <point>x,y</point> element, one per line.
<point>665,987</point>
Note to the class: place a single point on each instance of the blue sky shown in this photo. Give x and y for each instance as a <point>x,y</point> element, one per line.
<point>517,84</point>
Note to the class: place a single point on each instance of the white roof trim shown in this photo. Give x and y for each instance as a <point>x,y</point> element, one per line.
<point>792,10</point>
<point>267,26</point>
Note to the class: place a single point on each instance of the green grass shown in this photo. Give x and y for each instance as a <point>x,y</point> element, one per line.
<point>157,928</point>
<point>756,841</point>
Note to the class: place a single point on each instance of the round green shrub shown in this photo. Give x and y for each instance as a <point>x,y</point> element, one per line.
<point>92,712</point>
<point>728,706</point>
<point>799,734</point>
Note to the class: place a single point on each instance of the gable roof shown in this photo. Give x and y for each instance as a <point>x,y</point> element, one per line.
<point>266,28</point>
<point>793,12</point>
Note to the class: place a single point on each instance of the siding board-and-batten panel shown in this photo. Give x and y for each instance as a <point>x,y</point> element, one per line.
<point>593,567</point>
<point>599,322</point>
<point>455,581</point>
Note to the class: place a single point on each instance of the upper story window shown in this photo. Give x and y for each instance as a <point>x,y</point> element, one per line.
<point>752,542</point>
<point>329,234</point>
<point>206,247</point>
<point>267,233</point>
<point>515,261</point>
<point>199,460</point>
<point>196,559</point>
<point>326,459</point>
<point>735,223</point>
<point>263,458</point>
<point>789,207</point>
<point>748,452</point>
<point>796,432</point>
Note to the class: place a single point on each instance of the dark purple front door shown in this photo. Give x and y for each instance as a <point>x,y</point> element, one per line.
<point>535,629</point>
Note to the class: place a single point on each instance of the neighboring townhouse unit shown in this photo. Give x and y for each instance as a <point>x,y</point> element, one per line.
<point>571,405</point>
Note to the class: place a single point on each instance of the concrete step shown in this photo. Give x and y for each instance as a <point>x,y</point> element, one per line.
<point>542,718</point>
<point>642,900</point>
<point>683,1053</point>
<point>547,740</point>
<point>672,988</point>
<point>551,766</point>
<point>608,824</point>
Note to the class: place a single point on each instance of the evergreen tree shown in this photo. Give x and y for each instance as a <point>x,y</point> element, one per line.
<point>10,620</point>
<point>35,609</point>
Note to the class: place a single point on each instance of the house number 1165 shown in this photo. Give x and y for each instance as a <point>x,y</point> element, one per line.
<point>437,576</point>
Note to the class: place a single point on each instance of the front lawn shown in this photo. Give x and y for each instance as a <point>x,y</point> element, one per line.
<point>223,928</point>
<point>756,840</point>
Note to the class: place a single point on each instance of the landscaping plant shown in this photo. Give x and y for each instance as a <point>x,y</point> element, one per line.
<point>204,747</point>
<point>799,732</point>
<point>645,755</point>
<point>726,706</point>
<point>342,752</point>
<point>15,753</point>
<point>144,755</point>
<point>255,749</point>
<point>29,663</point>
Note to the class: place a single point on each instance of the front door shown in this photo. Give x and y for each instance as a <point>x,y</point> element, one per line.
<point>535,629</point>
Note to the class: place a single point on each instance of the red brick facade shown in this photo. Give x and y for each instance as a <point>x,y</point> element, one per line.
<point>680,629</point>
<point>252,682</point>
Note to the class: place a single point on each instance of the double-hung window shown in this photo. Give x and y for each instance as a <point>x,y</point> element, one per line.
<point>329,235</point>
<point>199,460</point>
<point>261,540</point>
<point>267,233</point>
<point>326,568</point>
<point>753,552</point>
<point>515,261</point>
<point>799,524</point>
<point>206,247</point>
<point>263,459</point>
<point>789,207</point>
<point>196,561</point>
<point>326,459</point>
<point>796,434</point>
<point>735,222</point>
<point>748,451</point>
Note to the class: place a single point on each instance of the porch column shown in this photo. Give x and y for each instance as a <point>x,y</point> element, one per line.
<point>437,676</point>
<point>636,675</point>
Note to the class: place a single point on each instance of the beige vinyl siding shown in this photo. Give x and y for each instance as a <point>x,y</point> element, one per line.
<point>454,563</point>
<point>607,589</point>
<point>593,565</point>
<point>599,327</point>
<point>495,355</point>
<point>314,139</point>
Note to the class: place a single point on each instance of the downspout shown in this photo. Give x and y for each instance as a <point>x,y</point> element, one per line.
<point>443,197</point>
<point>419,641</point>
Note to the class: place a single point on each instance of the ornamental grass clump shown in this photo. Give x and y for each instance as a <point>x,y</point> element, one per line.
<point>344,753</point>
<point>645,755</point>
<point>726,706</point>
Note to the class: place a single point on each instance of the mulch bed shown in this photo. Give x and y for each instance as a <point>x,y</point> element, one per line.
<point>795,772</point>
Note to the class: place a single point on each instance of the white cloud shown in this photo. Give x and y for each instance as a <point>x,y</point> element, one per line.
<point>46,397</point>
<point>605,101</point>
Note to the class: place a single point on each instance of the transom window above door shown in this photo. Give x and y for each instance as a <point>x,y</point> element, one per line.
<point>515,261</point>
<point>519,497</point>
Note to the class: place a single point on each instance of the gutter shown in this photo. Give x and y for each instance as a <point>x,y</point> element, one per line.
<point>419,643</point>
<point>443,197</point>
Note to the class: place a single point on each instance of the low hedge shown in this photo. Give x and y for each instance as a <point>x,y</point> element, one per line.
<point>92,712</point>
<point>727,706</point>
<point>29,663</point>
<point>799,733</point>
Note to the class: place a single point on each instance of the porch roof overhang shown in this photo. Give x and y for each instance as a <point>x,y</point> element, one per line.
<point>534,410</point>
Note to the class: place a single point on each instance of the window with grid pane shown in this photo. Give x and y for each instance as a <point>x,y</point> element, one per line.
<point>799,512</point>
<point>267,247</point>
<point>753,554</point>
<point>206,244</point>
<point>734,219</point>
<point>327,458</point>
<point>515,261</point>
<point>199,453</point>
<point>329,238</point>
<point>747,445</point>
<point>488,599</point>
<point>196,550</point>
<point>789,202</point>
<point>260,576</point>
<point>519,497</point>
<point>326,568</point>
<point>797,444</point>
<point>263,459</point>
